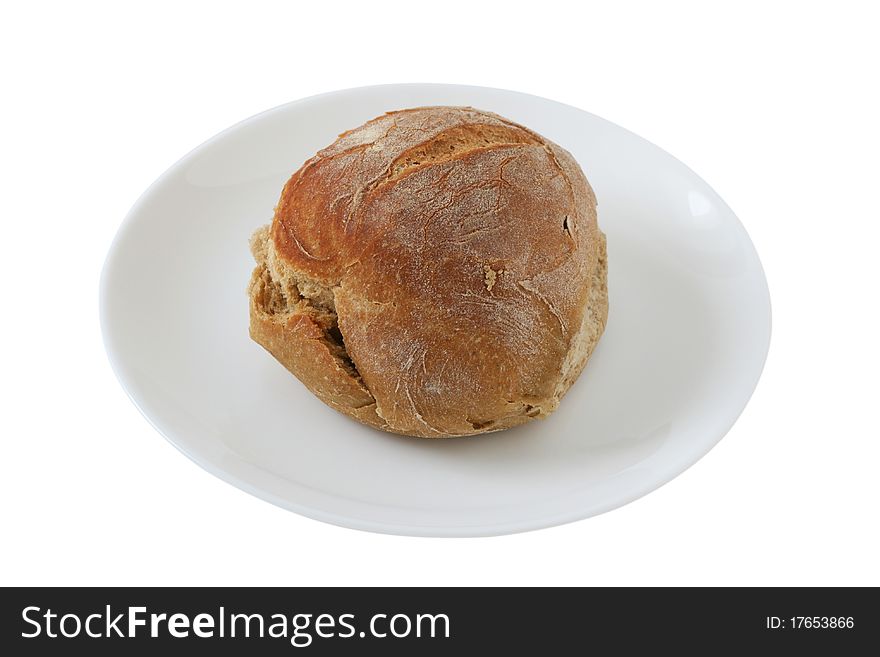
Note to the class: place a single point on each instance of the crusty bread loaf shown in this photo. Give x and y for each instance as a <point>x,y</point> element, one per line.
<point>435,272</point>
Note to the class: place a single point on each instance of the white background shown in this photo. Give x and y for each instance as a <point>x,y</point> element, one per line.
<point>774,104</point>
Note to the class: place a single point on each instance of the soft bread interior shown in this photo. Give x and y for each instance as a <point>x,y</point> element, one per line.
<point>592,326</point>
<point>279,293</point>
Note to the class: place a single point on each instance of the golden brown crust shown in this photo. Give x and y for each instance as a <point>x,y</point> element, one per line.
<point>435,272</point>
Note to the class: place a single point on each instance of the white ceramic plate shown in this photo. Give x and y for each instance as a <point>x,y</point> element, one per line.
<point>687,335</point>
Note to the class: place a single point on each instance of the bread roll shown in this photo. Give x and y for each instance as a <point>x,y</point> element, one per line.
<point>436,272</point>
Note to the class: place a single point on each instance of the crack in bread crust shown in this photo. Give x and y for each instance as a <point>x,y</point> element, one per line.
<point>283,305</point>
